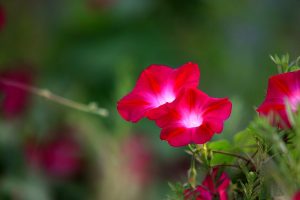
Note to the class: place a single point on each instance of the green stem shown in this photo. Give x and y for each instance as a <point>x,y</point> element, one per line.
<point>192,173</point>
<point>227,165</point>
<point>237,156</point>
<point>231,154</point>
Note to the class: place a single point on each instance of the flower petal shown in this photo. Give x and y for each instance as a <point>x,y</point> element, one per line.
<point>164,116</point>
<point>203,194</point>
<point>133,107</point>
<point>191,99</point>
<point>153,79</point>
<point>188,75</point>
<point>282,88</point>
<point>218,108</point>
<point>188,100</point>
<point>208,182</point>
<point>276,112</point>
<point>202,134</point>
<point>223,182</point>
<point>197,115</point>
<point>176,136</point>
<point>283,84</point>
<point>212,186</point>
<point>216,125</point>
<point>223,195</point>
<point>157,85</point>
<point>200,193</point>
<point>217,183</point>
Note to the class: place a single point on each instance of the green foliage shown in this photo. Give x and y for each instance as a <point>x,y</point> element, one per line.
<point>251,188</point>
<point>283,155</point>
<point>245,140</point>
<point>177,192</point>
<point>283,63</point>
<point>221,145</point>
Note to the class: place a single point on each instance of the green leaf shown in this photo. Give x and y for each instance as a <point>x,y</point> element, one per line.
<point>177,191</point>
<point>294,68</point>
<point>221,145</point>
<point>245,141</point>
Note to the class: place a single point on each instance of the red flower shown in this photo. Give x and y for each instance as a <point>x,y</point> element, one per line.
<point>193,117</point>
<point>157,86</point>
<point>198,194</point>
<point>15,99</point>
<point>60,157</point>
<point>297,196</point>
<point>214,185</point>
<point>2,17</point>
<point>282,88</point>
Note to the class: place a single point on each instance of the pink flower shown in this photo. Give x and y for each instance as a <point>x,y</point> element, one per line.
<point>60,157</point>
<point>198,194</point>
<point>282,88</point>
<point>157,86</point>
<point>15,99</point>
<point>2,17</point>
<point>217,183</point>
<point>193,117</point>
<point>138,158</point>
<point>214,185</point>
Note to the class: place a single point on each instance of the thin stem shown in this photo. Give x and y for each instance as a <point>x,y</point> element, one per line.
<point>254,154</point>
<point>227,165</point>
<point>90,108</point>
<point>231,154</point>
<point>191,148</point>
<point>192,173</point>
<point>237,156</point>
<point>251,159</point>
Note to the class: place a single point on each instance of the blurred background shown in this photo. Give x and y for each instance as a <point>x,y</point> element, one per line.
<point>94,51</point>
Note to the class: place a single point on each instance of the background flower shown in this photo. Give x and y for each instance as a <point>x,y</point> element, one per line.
<point>296,196</point>
<point>215,185</point>
<point>2,17</point>
<point>60,157</point>
<point>15,100</point>
<point>283,88</point>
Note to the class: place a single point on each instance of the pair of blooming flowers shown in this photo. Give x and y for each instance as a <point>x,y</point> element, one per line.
<point>171,98</point>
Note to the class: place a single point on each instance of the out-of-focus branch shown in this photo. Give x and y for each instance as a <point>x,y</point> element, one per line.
<point>89,108</point>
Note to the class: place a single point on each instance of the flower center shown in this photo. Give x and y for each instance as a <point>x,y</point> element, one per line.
<point>294,101</point>
<point>165,97</point>
<point>192,120</point>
